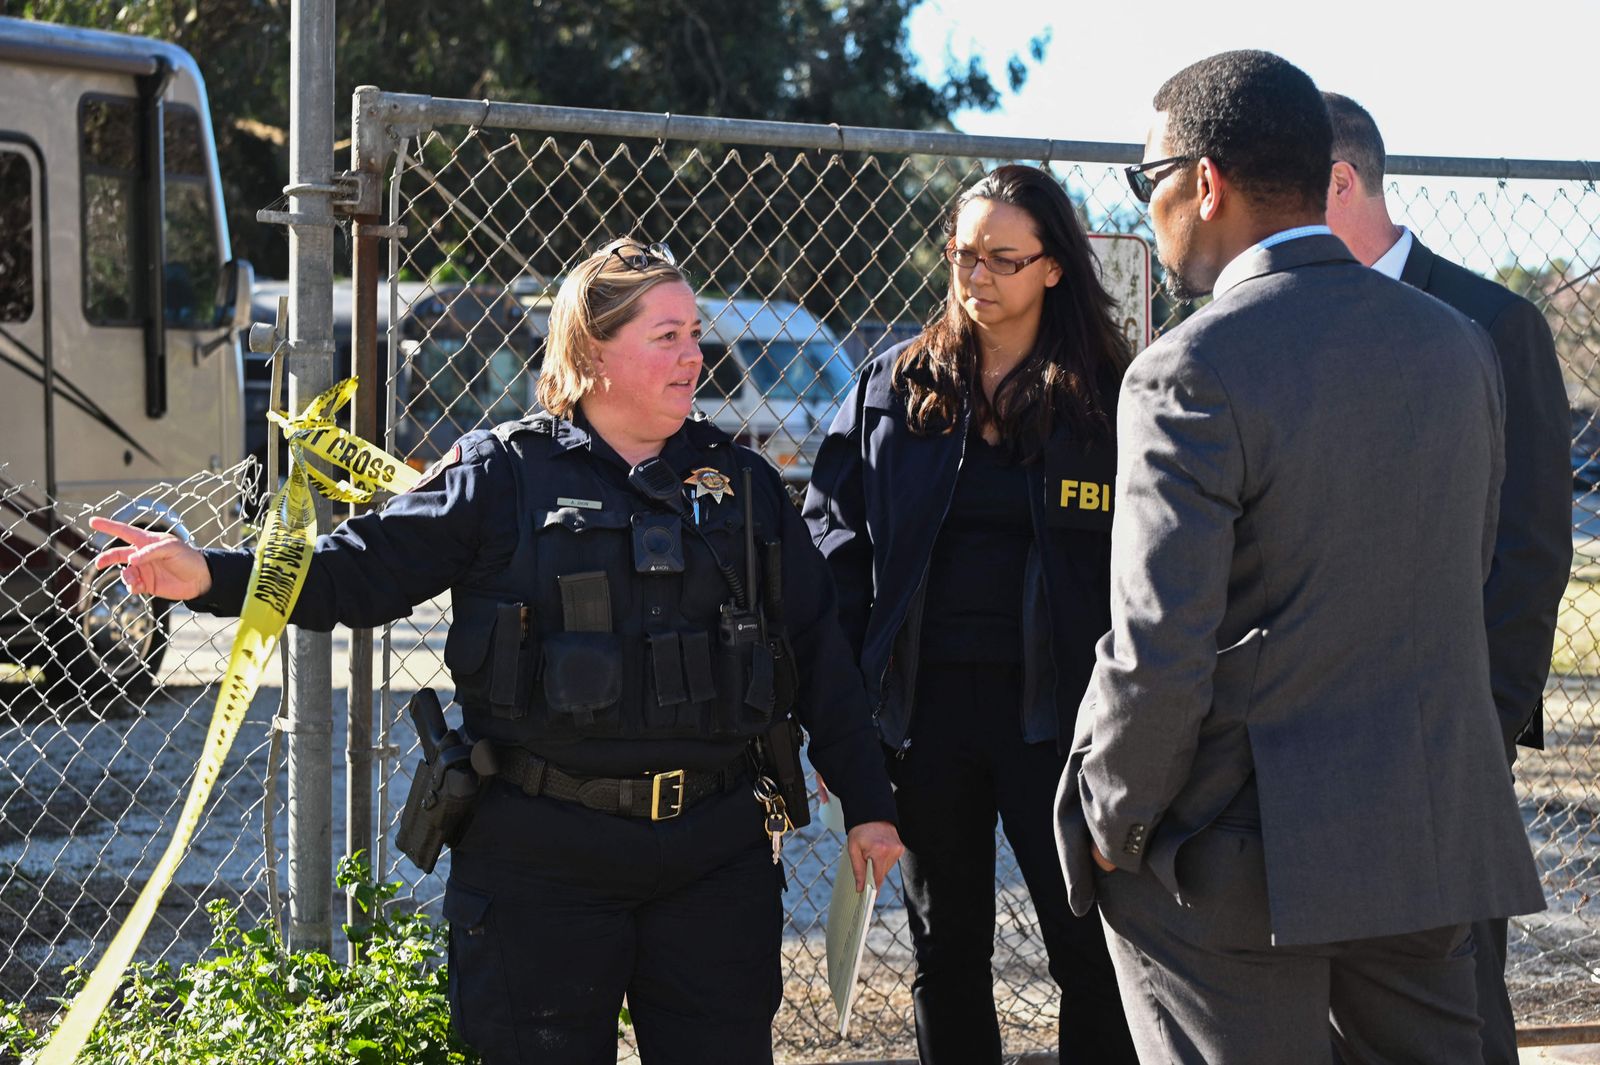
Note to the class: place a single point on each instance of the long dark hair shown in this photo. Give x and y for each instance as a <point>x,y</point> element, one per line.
<point>1079,355</point>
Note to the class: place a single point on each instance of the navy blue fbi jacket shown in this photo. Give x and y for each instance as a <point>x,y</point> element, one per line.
<point>878,497</point>
<point>459,529</point>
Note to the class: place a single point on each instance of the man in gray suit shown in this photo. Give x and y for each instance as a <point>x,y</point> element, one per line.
<point>1533,543</point>
<point>1287,787</point>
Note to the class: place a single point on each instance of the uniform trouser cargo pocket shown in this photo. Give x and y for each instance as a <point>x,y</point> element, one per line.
<point>476,967</point>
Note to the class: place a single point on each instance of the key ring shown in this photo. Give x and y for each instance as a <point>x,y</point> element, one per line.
<point>765,790</point>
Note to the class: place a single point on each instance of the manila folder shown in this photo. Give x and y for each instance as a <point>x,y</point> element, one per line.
<point>849,914</point>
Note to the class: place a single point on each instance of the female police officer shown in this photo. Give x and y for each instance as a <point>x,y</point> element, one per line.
<point>975,601</point>
<point>610,646</point>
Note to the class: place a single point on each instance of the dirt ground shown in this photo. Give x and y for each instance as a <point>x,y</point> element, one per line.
<point>88,795</point>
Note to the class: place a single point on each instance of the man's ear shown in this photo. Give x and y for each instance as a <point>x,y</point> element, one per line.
<point>1211,189</point>
<point>1343,183</point>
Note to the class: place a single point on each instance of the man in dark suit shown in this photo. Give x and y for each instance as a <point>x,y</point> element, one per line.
<point>1287,787</point>
<point>1533,543</point>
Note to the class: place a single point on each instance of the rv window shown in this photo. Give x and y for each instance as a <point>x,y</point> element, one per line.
<point>112,283</point>
<point>184,151</point>
<point>193,261</point>
<point>109,129</point>
<point>16,237</point>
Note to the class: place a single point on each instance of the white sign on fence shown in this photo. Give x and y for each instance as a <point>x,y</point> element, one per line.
<point>1125,272</point>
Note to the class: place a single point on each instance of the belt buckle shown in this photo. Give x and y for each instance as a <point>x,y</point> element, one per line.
<point>673,779</point>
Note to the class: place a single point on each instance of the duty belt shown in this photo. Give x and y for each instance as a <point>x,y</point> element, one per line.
<point>656,796</point>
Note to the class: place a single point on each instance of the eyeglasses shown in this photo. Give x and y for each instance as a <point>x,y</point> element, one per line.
<point>963,259</point>
<point>639,257</point>
<point>1140,181</point>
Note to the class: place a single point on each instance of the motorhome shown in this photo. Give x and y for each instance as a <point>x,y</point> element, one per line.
<point>120,311</point>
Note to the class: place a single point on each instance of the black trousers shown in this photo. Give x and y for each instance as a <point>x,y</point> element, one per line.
<point>967,765</point>
<point>1494,1002</point>
<point>556,911</point>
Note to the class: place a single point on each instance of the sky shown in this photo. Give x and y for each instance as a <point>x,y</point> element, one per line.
<point>1507,79</point>
<point>1511,79</point>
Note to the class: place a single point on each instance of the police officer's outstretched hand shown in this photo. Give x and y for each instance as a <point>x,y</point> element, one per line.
<point>879,841</point>
<point>158,564</point>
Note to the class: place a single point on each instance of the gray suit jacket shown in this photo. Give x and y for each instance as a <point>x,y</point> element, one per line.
<point>1308,487</point>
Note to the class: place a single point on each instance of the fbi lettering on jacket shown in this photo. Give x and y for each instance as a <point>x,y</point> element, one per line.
<point>1080,485</point>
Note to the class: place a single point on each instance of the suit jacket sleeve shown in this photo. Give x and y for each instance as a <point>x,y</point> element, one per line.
<point>1533,545</point>
<point>1180,485</point>
<point>836,513</point>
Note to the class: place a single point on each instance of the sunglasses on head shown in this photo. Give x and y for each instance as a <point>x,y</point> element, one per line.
<point>1140,181</point>
<point>639,257</point>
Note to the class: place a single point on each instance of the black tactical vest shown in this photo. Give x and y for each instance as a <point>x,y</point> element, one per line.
<point>614,618</point>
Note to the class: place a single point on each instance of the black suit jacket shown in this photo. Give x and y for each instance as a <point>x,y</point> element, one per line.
<point>1533,545</point>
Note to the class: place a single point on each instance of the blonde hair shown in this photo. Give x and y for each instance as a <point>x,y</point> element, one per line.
<point>599,297</point>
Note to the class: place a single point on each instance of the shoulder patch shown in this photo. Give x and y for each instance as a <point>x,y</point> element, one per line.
<point>438,467</point>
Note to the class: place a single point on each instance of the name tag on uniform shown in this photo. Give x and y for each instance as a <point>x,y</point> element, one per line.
<point>586,504</point>
<point>1080,485</point>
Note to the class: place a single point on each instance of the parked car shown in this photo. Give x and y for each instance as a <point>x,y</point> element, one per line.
<point>467,356</point>
<point>775,376</point>
<point>1585,450</point>
<point>82,627</point>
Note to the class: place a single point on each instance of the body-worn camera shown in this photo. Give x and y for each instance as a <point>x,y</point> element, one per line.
<point>657,543</point>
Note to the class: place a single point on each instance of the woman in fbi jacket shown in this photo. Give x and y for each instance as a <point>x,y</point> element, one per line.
<point>963,498</point>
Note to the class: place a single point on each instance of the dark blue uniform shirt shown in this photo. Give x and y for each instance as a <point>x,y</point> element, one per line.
<point>461,524</point>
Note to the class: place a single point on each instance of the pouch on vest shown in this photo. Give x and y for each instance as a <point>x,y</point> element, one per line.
<point>492,652</point>
<point>512,661</point>
<point>744,687</point>
<point>683,680</point>
<point>583,676</point>
<point>583,665</point>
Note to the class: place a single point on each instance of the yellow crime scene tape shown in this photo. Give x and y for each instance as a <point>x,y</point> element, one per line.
<point>282,559</point>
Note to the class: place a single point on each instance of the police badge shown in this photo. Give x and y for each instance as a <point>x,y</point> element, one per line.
<point>709,482</point>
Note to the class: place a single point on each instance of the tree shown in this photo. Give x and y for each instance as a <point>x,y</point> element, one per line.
<point>845,61</point>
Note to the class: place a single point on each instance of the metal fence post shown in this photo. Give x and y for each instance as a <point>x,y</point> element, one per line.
<point>310,695</point>
<point>370,149</point>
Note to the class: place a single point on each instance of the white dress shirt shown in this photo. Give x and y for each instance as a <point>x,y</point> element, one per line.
<point>1234,272</point>
<point>1393,261</point>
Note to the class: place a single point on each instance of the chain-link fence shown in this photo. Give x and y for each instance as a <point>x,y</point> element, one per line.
<point>105,699</point>
<point>812,250</point>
